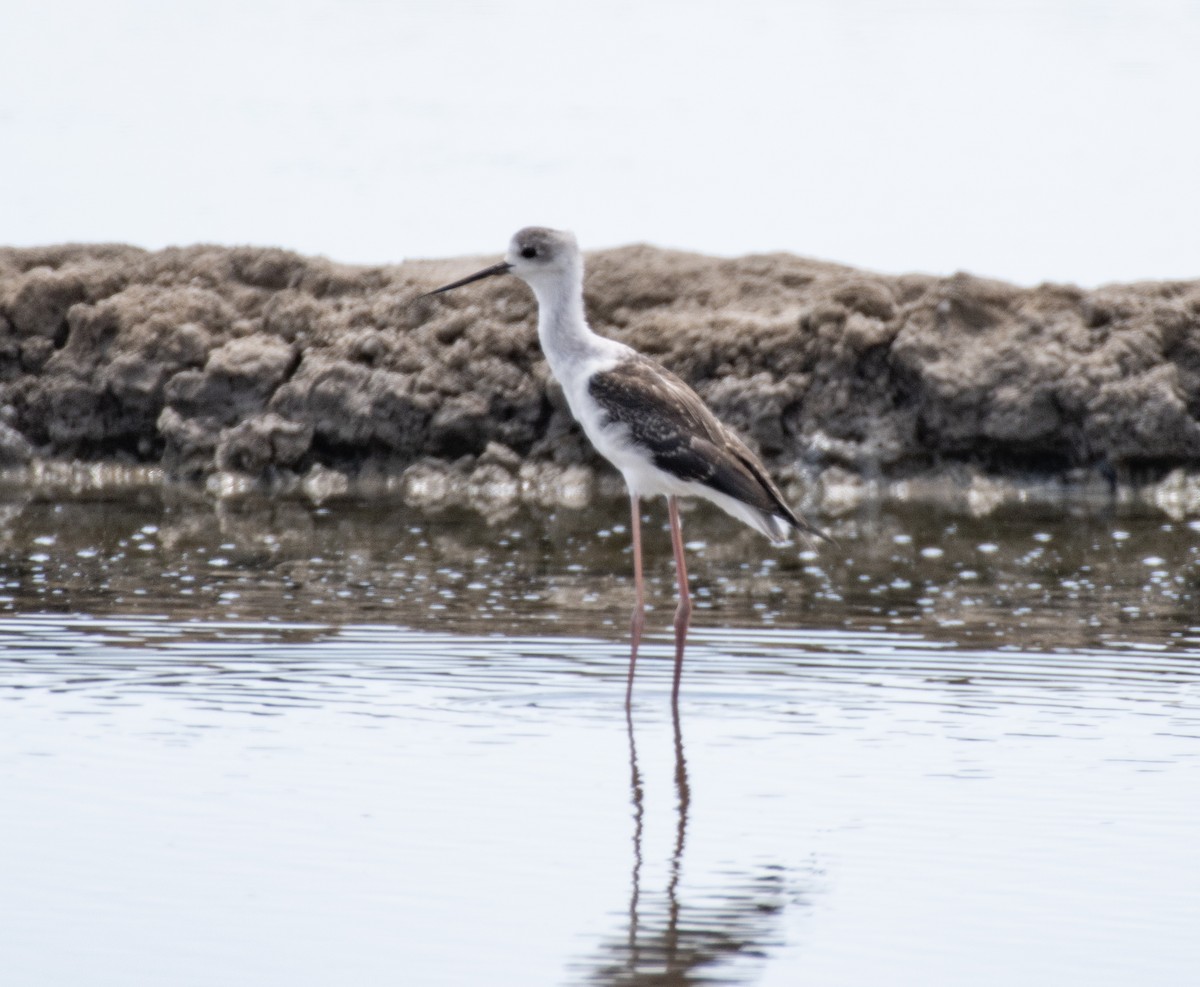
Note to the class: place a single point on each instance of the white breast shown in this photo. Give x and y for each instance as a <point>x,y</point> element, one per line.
<point>612,439</point>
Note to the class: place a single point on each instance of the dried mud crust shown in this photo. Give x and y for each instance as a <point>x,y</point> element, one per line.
<point>266,364</point>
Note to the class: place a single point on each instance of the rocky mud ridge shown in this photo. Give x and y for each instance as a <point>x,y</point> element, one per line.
<point>262,367</point>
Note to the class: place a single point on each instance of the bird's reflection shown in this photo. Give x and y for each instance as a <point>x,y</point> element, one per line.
<point>669,940</point>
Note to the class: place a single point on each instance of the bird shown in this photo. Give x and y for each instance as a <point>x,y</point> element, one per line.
<point>646,421</point>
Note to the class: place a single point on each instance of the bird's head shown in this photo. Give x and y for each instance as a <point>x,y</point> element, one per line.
<point>537,255</point>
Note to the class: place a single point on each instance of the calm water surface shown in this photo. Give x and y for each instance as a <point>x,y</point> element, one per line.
<point>271,743</point>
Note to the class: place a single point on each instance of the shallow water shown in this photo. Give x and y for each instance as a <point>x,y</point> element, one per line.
<point>266,742</point>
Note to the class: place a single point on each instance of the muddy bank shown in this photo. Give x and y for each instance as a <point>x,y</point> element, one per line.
<point>258,366</point>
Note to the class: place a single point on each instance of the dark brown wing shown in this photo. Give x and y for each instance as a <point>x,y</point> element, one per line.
<point>683,437</point>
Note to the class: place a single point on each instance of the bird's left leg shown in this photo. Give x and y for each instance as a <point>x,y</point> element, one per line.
<point>683,614</point>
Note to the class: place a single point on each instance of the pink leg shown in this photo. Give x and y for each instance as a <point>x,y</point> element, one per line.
<point>683,615</point>
<point>639,606</point>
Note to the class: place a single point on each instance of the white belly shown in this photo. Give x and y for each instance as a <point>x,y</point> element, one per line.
<point>641,475</point>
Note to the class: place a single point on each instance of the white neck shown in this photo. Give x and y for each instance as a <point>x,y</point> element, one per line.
<point>563,331</point>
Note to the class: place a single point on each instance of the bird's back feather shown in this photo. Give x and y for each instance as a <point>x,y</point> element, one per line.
<point>684,439</point>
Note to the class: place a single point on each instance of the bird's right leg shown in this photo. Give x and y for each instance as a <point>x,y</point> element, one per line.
<point>639,604</point>
<point>683,615</point>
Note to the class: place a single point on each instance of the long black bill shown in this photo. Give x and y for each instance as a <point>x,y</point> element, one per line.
<point>488,272</point>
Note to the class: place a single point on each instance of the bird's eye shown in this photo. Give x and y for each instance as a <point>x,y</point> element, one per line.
<point>529,253</point>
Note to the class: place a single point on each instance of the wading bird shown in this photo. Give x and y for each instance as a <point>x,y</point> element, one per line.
<point>642,418</point>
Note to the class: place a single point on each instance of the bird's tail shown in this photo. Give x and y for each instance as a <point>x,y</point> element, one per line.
<point>809,531</point>
<point>779,528</point>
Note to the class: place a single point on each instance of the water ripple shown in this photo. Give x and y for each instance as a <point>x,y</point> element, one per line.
<point>231,665</point>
